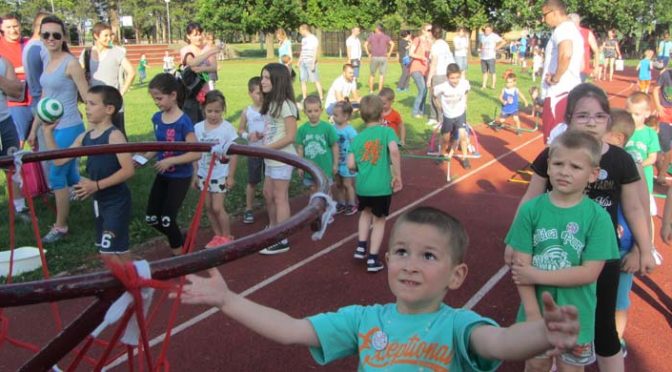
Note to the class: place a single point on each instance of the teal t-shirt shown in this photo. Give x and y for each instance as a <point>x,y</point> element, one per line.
<point>644,142</point>
<point>370,147</point>
<point>317,142</point>
<point>561,238</point>
<point>386,340</point>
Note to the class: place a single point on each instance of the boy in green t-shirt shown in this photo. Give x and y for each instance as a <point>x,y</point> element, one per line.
<point>316,140</point>
<point>643,145</point>
<point>416,332</point>
<point>370,155</point>
<point>561,240</point>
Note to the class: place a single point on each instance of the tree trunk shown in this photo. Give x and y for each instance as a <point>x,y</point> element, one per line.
<point>270,50</point>
<point>113,14</point>
<point>137,35</point>
<point>318,34</point>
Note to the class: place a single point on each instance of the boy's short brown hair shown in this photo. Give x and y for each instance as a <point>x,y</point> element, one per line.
<point>387,93</point>
<point>371,108</point>
<point>446,224</point>
<point>577,140</point>
<point>312,100</point>
<point>622,122</point>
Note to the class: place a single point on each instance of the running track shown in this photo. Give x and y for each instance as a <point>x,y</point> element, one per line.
<point>321,276</point>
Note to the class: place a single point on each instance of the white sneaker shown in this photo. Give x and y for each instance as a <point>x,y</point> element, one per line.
<point>432,122</point>
<point>657,257</point>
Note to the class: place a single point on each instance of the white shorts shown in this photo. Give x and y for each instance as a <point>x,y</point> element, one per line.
<point>279,172</point>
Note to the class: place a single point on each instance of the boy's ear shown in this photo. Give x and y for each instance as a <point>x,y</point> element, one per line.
<point>594,174</point>
<point>109,109</point>
<point>457,276</point>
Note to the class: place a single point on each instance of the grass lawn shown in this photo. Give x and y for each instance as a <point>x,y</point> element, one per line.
<point>77,252</point>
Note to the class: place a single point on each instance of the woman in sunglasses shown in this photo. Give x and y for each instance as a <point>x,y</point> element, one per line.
<point>63,79</point>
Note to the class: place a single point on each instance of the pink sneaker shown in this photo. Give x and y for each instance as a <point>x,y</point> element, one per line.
<point>214,242</point>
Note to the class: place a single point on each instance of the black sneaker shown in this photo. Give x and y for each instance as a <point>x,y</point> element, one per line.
<point>360,253</point>
<point>350,210</point>
<point>277,248</point>
<point>466,164</point>
<point>340,208</point>
<point>373,265</point>
<point>248,217</point>
<point>23,216</point>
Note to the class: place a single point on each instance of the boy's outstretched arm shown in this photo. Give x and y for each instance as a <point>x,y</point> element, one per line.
<point>270,323</point>
<point>559,330</point>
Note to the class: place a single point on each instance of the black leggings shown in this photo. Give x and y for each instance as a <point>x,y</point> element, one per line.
<point>164,202</point>
<point>606,338</point>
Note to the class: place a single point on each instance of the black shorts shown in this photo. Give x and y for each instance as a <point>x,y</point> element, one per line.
<point>379,205</point>
<point>453,125</point>
<point>664,136</point>
<point>113,215</point>
<point>255,170</point>
<point>8,136</point>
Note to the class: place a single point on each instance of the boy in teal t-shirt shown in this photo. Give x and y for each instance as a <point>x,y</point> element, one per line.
<point>370,155</point>
<point>643,145</point>
<point>316,140</point>
<point>561,240</point>
<point>417,332</point>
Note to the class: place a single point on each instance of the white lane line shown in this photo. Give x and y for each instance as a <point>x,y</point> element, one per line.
<point>206,314</point>
<point>478,296</point>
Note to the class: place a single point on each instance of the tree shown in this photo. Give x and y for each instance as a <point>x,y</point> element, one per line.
<point>253,16</point>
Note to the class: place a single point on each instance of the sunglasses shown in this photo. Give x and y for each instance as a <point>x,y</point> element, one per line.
<point>56,35</point>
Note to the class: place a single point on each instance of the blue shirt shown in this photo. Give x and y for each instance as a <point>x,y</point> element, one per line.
<point>345,136</point>
<point>645,69</point>
<point>173,132</point>
<point>523,45</point>
<point>625,238</point>
<point>511,98</point>
<point>386,339</point>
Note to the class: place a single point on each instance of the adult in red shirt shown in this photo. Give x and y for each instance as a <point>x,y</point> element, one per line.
<point>11,47</point>
<point>379,48</point>
<point>589,44</point>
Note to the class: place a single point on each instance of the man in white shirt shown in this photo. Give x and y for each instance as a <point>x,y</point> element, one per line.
<point>345,86</point>
<point>354,50</point>
<point>308,61</point>
<point>562,65</point>
<point>490,42</point>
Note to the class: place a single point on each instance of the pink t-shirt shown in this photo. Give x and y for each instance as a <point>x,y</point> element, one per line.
<point>378,43</point>
<point>422,47</point>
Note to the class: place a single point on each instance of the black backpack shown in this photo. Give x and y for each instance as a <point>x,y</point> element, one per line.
<point>191,82</point>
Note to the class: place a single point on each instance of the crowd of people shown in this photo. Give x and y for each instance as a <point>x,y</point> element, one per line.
<point>582,229</point>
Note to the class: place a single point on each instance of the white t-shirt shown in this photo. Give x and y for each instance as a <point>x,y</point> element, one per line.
<point>223,133</point>
<point>274,128</point>
<point>309,46</point>
<point>355,45</point>
<point>556,132</point>
<point>567,30</point>
<point>453,99</point>
<point>489,46</point>
<point>461,45</point>
<point>340,85</point>
<point>441,52</point>
<point>255,123</point>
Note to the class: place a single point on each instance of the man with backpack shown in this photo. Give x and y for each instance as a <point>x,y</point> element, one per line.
<point>103,64</point>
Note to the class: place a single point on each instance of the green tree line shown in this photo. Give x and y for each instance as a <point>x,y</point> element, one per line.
<point>638,19</point>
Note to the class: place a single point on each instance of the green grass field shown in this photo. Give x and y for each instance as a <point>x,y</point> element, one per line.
<point>77,252</point>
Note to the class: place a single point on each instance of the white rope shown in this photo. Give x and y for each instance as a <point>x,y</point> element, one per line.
<point>18,162</point>
<point>328,214</point>
<point>118,308</point>
<point>221,149</point>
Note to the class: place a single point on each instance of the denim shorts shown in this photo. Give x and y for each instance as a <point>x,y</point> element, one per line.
<point>306,74</point>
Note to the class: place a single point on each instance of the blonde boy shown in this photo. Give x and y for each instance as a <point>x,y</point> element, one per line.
<point>433,244</point>
<point>561,240</point>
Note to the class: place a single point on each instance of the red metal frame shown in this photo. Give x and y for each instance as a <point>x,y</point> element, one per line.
<point>107,288</point>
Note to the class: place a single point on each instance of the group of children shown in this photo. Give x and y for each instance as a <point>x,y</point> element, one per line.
<point>561,247</point>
